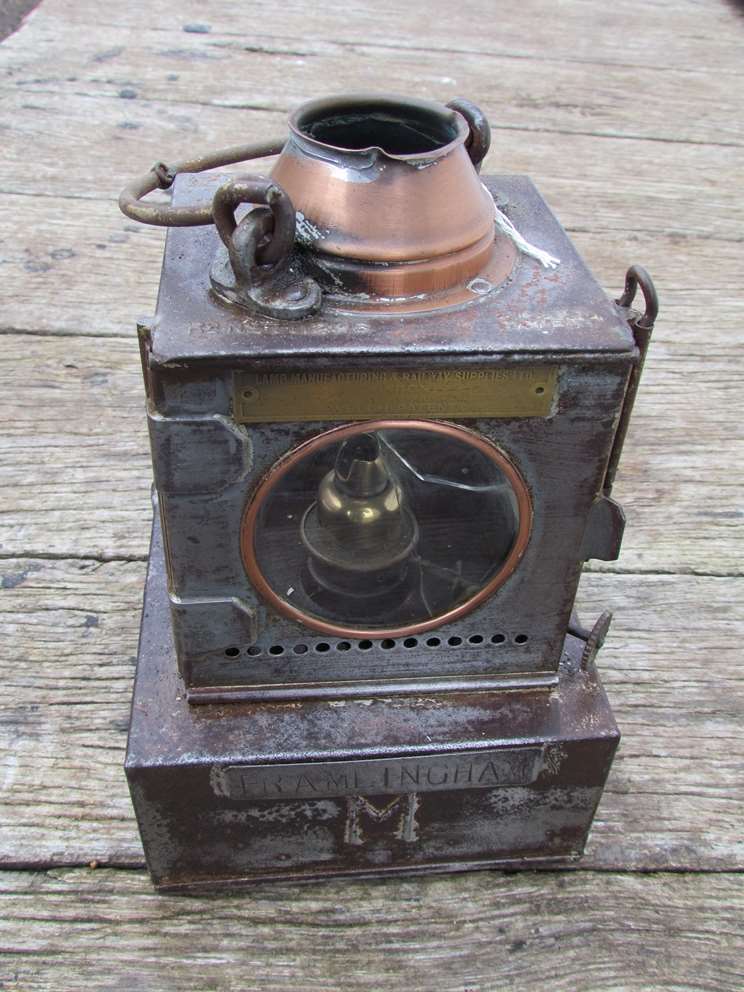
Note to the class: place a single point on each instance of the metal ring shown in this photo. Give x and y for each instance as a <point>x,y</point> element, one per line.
<point>278,470</point>
<point>258,190</point>
<point>637,276</point>
<point>252,233</point>
<point>479,142</point>
<point>163,214</point>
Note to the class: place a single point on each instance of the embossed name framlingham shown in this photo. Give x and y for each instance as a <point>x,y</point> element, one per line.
<point>380,776</point>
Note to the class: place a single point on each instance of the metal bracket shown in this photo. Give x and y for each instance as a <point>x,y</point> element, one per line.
<point>603,534</point>
<point>641,325</point>
<point>198,454</point>
<point>593,639</point>
<point>254,268</point>
<point>209,624</point>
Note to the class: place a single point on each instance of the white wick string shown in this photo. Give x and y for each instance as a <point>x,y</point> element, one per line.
<point>506,227</point>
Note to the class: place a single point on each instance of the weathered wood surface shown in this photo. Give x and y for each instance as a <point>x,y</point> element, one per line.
<point>79,242</point>
<point>628,117</point>
<point>77,476</point>
<point>675,798</point>
<point>484,932</point>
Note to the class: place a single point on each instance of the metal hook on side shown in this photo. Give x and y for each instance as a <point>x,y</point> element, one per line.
<point>638,276</point>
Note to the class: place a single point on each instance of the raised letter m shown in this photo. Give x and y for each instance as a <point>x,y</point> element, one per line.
<point>406,828</point>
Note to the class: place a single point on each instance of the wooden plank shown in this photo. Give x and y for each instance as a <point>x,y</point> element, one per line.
<point>69,636</point>
<point>220,68</point>
<point>606,110</point>
<point>673,676</point>
<point>84,268</point>
<point>74,448</point>
<point>634,183</point>
<point>675,798</point>
<point>78,268</point>
<point>485,932</point>
<point>77,472</point>
<point>635,33</point>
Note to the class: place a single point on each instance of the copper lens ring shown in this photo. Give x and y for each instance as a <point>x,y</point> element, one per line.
<point>277,472</point>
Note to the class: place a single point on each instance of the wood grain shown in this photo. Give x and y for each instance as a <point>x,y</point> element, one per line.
<point>633,33</point>
<point>675,798</point>
<point>76,469</point>
<point>485,932</point>
<point>627,117</point>
<point>274,73</point>
<point>77,473</point>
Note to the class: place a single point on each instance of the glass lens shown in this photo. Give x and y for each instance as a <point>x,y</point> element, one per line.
<point>383,529</point>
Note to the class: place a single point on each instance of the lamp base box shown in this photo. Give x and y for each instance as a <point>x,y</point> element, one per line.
<point>231,793</point>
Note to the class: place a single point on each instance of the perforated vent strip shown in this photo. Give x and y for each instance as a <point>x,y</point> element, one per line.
<point>387,644</point>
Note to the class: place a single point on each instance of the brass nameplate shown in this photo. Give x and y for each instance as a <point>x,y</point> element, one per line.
<point>266,397</point>
<point>381,776</point>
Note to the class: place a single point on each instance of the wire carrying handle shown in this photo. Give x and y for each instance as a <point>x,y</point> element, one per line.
<point>161,176</point>
<point>254,268</point>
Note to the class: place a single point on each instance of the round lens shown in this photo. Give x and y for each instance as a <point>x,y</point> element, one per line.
<point>386,527</point>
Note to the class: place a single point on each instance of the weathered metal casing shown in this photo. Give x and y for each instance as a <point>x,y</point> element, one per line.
<point>549,357</point>
<point>417,783</point>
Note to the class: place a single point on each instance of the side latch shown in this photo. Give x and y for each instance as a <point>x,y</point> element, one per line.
<point>641,325</point>
<point>606,521</point>
<point>604,530</point>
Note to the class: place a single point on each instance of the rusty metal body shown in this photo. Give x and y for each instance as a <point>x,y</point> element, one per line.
<point>382,786</point>
<point>208,464</point>
<point>480,732</point>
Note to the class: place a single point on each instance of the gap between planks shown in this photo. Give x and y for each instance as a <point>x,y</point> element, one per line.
<point>495,128</point>
<point>479,932</point>
<point>138,867</point>
<point>605,568</point>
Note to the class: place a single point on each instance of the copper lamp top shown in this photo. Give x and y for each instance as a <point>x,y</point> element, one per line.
<point>390,207</point>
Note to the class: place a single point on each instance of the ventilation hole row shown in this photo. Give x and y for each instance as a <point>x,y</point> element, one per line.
<point>386,645</point>
<point>453,642</point>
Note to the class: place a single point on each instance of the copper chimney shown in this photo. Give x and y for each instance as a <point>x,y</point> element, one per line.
<point>389,203</point>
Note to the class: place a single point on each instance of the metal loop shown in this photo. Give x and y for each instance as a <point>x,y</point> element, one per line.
<point>163,214</point>
<point>278,290</point>
<point>252,233</point>
<point>256,190</point>
<point>637,276</point>
<point>479,141</point>
<point>164,175</point>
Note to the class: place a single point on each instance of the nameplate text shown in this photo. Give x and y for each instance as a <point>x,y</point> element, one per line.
<point>380,776</point>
